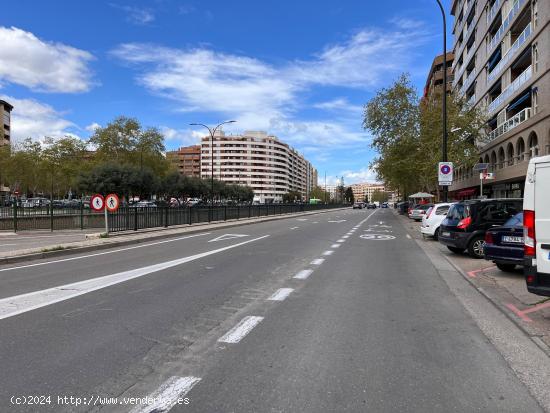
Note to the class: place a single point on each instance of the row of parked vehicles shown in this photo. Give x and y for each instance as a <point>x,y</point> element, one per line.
<point>367,205</point>
<point>509,232</point>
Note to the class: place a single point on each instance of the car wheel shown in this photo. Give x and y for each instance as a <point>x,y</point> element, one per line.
<point>475,248</point>
<point>436,234</point>
<point>455,250</point>
<point>506,267</point>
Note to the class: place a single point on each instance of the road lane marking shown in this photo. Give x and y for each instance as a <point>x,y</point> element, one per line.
<point>337,221</point>
<point>317,261</point>
<point>105,252</point>
<point>294,227</point>
<point>302,275</point>
<point>225,237</point>
<point>281,294</point>
<point>7,245</point>
<point>335,246</point>
<point>409,237</point>
<point>345,237</point>
<point>240,331</point>
<point>23,303</point>
<point>301,219</point>
<point>329,252</point>
<point>341,240</point>
<point>167,395</point>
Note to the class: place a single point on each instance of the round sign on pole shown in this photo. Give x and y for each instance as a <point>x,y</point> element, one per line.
<point>112,202</point>
<point>97,202</point>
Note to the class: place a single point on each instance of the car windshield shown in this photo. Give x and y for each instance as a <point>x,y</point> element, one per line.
<point>458,211</point>
<point>515,221</point>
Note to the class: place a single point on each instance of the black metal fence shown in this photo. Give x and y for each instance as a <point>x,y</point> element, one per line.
<point>134,218</point>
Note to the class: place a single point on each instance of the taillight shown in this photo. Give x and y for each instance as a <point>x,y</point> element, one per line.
<point>464,223</point>
<point>530,241</point>
<point>489,238</point>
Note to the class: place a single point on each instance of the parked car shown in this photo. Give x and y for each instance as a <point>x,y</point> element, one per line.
<point>36,203</point>
<point>357,205</point>
<point>144,204</point>
<point>418,211</point>
<point>433,218</point>
<point>371,206</point>
<point>466,222</point>
<point>384,205</point>
<point>536,226</point>
<point>402,207</point>
<point>504,245</point>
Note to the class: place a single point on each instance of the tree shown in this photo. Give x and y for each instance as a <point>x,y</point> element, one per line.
<point>350,198</point>
<point>379,196</point>
<point>318,193</point>
<point>292,196</point>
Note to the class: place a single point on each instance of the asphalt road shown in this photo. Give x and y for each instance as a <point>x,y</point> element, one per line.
<point>37,239</point>
<point>338,311</point>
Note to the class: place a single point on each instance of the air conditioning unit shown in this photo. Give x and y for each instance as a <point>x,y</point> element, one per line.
<point>501,117</point>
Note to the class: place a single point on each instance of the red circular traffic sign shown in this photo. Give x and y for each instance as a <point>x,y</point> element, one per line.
<point>97,202</point>
<point>445,169</point>
<point>112,202</point>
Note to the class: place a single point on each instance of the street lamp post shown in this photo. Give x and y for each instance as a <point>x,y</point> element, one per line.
<point>445,188</point>
<point>212,133</point>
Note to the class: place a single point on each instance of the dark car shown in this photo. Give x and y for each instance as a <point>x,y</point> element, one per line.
<point>504,245</point>
<point>371,206</point>
<point>467,221</point>
<point>358,205</point>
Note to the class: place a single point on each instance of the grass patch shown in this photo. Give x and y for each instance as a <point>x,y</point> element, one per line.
<point>56,248</point>
<point>104,235</point>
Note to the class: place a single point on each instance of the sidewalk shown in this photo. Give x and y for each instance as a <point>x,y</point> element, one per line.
<point>506,290</point>
<point>44,244</point>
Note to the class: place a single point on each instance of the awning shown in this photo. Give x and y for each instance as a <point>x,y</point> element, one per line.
<point>421,195</point>
<point>466,192</point>
<point>520,100</point>
<point>493,60</point>
<point>521,59</point>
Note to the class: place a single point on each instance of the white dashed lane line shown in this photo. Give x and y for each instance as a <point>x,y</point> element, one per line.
<point>240,331</point>
<point>302,275</point>
<point>168,394</point>
<point>281,294</point>
<point>341,240</point>
<point>317,261</point>
<point>335,246</point>
<point>409,237</point>
<point>329,252</point>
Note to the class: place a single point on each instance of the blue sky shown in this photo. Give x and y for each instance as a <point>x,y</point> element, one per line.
<point>299,69</point>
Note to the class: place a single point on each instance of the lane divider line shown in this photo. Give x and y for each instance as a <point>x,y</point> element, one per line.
<point>317,261</point>
<point>280,294</point>
<point>240,331</point>
<point>168,394</point>
<point>302,275</point>
<point>335,246</point>
<point>329,252</point>
<point>341,240</point>
<point>97,254</point>
<point>23,303</point>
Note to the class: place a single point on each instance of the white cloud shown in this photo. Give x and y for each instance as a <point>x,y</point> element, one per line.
<point>180,137</point>
<point>42,66</point>
<point>339,104</point>
<point>362,175</point>
<point>92,127</point>
<point>33,119</point>
<point>136,15</point>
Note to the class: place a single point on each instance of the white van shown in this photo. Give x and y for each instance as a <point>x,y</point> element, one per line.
<point>536,226</point>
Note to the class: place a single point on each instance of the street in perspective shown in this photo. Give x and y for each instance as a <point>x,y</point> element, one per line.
<point>275,207</point>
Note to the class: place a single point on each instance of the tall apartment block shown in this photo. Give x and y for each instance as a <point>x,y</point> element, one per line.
<point>186,159</point>
<point>502,64</point>
<point>434,81</point>
<point>5,135</point>
<point>270,167</point>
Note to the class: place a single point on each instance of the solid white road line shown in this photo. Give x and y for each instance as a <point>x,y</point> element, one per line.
<point>167,395</point>
<point>238,332</point>
<point>335,246</point>
<point>329,252</point>
<point>317,261</point>
<point>19,304</point>
<point>281,294</point>
<point>301,219</point>
<point>302,275</point>
<point>105,252</point>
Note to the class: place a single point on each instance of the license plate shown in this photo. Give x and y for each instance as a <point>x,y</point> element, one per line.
<point>446,234</point>
<point>512,239</point>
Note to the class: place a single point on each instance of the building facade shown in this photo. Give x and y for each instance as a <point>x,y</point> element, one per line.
<point>502,64</point>
<point>434,82</point>
<point>270,167</point>
<point>364,191</point>
<point>186,159</point>
<point>5,136</point>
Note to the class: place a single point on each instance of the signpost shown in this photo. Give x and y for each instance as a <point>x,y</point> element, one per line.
<point>108,204</point>
<point>445,176</point>
<point>482,168</point>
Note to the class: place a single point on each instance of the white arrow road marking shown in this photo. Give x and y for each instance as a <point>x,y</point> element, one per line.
<point>281,294</point>
<point>19,304</point>
<point>167,395</point>
<point>227,236</point>
<point>238,332</point>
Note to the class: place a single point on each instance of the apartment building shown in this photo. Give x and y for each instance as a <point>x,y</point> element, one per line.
<point>270,167</point>
<point>434,81</point>
<point>502,64</point>
<point>5,110</point>
<point>186,159</point>
<point>362,191</point>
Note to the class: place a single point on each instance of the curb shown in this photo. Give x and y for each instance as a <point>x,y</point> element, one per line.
<point>155,234</point>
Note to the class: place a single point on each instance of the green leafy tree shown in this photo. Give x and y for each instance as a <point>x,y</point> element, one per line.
<point>292,196</point>
<point>350,198</point>
<point>379,196</point>
<point>319,193</point>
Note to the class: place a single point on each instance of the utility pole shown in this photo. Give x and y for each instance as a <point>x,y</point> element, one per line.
<point>444,108</point>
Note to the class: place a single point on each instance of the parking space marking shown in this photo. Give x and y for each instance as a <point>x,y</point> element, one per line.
<point>281,294</point>
<point>168,394</point>
<point>473,274</point>
<point>521,313</point>
<point>317,261</point>
<point>241,330</point>
<point>302,275</point>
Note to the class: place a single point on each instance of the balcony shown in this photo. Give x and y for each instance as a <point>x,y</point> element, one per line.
<point>471,101</point>
<point>504,26</point>
<point>520,41</point>
<point>513,87</point>
<point>493,12</point>
<point>468,81</point>
<point>510,124</point>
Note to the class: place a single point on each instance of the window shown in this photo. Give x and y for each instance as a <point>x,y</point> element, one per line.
<point>535,13</point>
<point>535,58</point>
<point>535,101</point>
<point>442,210</point>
